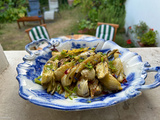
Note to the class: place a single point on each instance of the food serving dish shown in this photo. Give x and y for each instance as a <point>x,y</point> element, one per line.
<point>134,68</point>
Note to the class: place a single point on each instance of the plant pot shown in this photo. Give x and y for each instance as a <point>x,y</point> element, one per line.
<point>83,31</point>
<point>143,45</point>
<point>86,30</point>
<point>70,2</point>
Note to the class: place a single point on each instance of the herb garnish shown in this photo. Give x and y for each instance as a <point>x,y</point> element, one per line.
<point>89,66</point>
<point>102,59</point>
<point>81,60</point>
<point>111,66</point>
<point>56,58</point>
<point>63,52</point>
<point>49,67</point>
<point>37,80</point>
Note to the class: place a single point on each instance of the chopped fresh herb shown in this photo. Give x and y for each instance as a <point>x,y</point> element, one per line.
<point>71,56</point>
<point>37,81</point>
<point>70,97</point>
<point>63,52</point>
<point>66,62</point>
<point>111,66</point>
<point>39,77</point>
<point>93,48</point>
<point>56,58</point>
<point>89,66</point>
<point>102,54</point>
<point>102,59</point>
<point>80,60</point>
<point>81,48</point>
<point>74,89</point>
<point>58,88</point>
<point>69,91</point>
<point>49,67</point>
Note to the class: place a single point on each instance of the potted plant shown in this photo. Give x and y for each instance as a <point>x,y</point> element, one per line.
<point>149,38</point>
<point>86,26</point>
<point>70,2</point>
<point>139,29</point>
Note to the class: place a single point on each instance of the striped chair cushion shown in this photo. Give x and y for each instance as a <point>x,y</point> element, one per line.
<point>38,32</point>
<point>105,32</point>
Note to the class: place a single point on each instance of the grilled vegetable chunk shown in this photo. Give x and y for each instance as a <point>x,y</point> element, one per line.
<point>95,88</point>
<point>68,77</point>
<point>48,74</point>
<point>92,59</point>
<point>47,77</point>
<point>88,74</point>
<point>119,69</point>
<point>101,69</point>
<point>60,71</point>
<point>111,83</point>
<point>82,87</point>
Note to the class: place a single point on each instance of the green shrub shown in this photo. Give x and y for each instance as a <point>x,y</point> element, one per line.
<point>139,29</point>
<point>86,24</point>
<point>76,2</point>
<point>11,10</point>
<point>149,38</point>
<point>108,11</point>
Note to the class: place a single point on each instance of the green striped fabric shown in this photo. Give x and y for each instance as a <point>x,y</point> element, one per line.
<point>105,32</point>
<point>38,32</point>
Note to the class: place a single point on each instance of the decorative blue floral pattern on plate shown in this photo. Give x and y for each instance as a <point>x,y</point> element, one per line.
<point>134,68</point>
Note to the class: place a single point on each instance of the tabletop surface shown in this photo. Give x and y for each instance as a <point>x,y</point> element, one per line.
<point>13,107</point>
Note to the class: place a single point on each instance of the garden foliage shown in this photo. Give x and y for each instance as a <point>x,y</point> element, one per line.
<point>11,10</point>
<point>108,11</point>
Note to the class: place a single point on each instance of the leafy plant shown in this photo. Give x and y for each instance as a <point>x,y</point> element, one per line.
<point>76,2</point>
<point>144,34</point>
<point>11,10</point>
<point>149,38</point>
<point>109,11</point>
<point>86,24</point>
<point>139,29</point>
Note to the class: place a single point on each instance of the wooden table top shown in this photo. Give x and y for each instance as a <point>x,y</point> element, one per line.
<point>30,18</point>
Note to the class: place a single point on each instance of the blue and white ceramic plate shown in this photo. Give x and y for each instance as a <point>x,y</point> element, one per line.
<point>135,71</point>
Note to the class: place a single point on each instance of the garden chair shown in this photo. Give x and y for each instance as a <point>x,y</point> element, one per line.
<point>38,32</point>
<point>34,8</point>
<point>53,7</point>
<point>106,31</point>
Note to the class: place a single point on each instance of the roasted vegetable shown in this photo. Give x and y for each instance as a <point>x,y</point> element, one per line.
<point>61,70</point>
<point>68,76</point>
<point>101,69</point>
<point>119,69</point>
<point>95,88</point>
<point>88,74</point>
<point>83,72</point>
<point>111,83</point>
<point>82,87</point>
